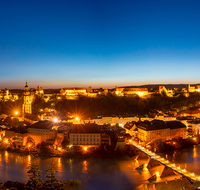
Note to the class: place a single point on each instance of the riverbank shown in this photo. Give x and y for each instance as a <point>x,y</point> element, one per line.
<point>74,151</point>
<point>177,144</point>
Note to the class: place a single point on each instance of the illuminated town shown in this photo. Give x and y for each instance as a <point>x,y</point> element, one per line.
<point>99,95</point>
<point>33,121</point>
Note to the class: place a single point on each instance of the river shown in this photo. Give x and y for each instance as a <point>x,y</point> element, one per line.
<point>188,159</point>
<point>95,174</point>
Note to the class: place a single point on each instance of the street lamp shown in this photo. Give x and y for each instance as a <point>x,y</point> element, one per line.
<point>55,120</point>
<point>16,113</point>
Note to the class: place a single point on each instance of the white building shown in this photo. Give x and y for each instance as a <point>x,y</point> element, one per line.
<point>87,134</point>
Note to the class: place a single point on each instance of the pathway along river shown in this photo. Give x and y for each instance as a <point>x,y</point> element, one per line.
<point>95,174</point>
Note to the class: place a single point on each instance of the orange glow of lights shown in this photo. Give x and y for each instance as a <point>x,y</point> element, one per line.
<point>29,145</point>
<point>55,119</point>
<point>59,162</point>
<point>194,138</point>
<point>85,148</point>
<point>140,93</point>
<point>85,166</point>
<point>77,118</point>
<point>6,156</point>
<point>16,112</point>
<point>29,160</point>
<point>195,152</point>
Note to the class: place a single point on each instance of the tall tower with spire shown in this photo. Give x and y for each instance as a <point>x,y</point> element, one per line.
<point>27,102</point>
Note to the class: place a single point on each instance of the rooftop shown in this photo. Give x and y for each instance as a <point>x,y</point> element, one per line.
<point>42,125</point>
<point>159,124</point>
<point>88,128</point>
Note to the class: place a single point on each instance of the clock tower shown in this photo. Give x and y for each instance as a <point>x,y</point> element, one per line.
<point>27,101</point>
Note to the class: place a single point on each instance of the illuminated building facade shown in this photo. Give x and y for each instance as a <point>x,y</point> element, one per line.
<point>73,91</point>
<point>39,91</point>
<point>7,95</point>
<point>162,89</point>
<point>12,135</point>
<point>27,101</point>
<point>87,134</point>
<point>193,88</point>
<point>131,91</point>
<point>157,129</point>
<point>40,131</point>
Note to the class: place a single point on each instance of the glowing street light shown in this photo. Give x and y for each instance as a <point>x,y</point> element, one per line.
<point>77,118</point>
<point>16,112</point>
<point>55,120</point>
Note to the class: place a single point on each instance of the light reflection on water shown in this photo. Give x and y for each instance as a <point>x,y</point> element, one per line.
<point>85,164</point>
<point>95,174</point>
<point>188,159</point>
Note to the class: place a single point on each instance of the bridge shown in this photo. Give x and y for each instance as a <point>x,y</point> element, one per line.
<point>165,162</point>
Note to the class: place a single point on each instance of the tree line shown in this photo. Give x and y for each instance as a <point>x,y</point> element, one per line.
<point>109,104</point>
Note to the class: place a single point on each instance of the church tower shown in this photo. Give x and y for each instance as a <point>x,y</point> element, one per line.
<point>27,102</point>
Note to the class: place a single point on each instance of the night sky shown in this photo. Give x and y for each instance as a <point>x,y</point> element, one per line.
<point>58,44</point>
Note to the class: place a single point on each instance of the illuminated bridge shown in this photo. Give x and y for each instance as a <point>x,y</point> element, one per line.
<point>165,162</point>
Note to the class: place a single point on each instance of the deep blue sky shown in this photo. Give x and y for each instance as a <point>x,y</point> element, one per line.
<point>98,43</point>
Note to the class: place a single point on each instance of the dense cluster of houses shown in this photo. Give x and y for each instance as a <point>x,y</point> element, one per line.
<point>94,135</point>
<point>88,135</point>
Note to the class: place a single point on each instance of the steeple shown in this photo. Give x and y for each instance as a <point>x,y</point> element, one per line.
<point>26,84</point>
<point>26,87</point>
